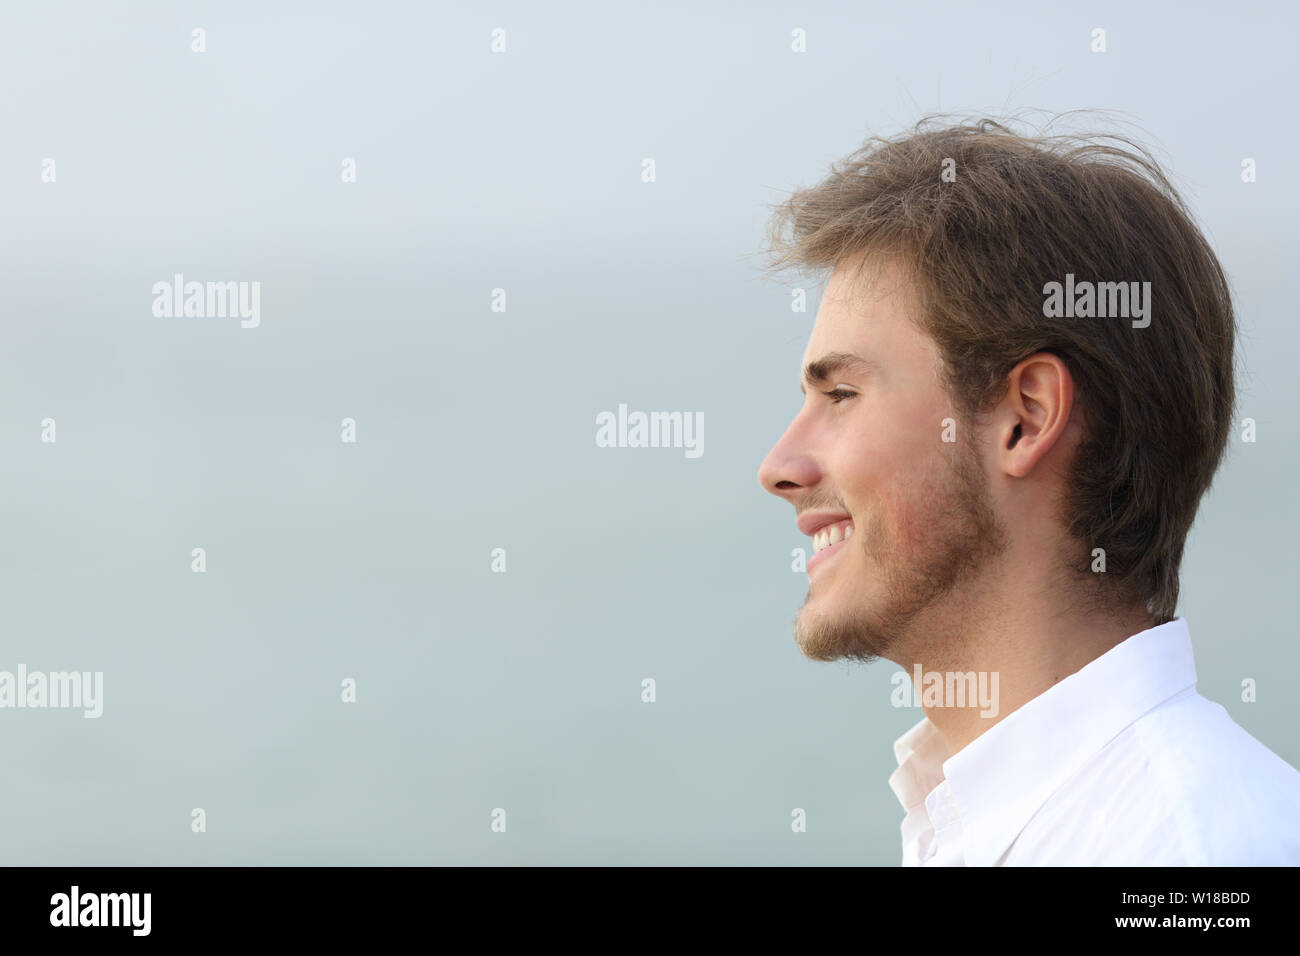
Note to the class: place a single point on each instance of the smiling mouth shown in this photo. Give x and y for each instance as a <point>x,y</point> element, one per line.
<point>832,534</point>
<point>829,541</point>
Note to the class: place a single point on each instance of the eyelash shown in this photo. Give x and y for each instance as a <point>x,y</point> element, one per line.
<point>838,395</point>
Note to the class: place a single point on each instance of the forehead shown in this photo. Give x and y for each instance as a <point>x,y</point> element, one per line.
<point>869,309</point>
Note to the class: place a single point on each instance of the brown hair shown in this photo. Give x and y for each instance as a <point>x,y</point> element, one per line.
<point>1012,214</point>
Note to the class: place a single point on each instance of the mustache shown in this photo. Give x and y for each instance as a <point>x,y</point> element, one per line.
<point>822,504</point>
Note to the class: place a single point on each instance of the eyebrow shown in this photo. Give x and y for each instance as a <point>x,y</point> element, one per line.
<point>817,372</point>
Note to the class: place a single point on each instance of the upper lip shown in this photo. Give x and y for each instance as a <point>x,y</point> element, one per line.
<point>813,521</point>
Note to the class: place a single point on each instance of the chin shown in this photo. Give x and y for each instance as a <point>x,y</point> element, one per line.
<point>833,635</point>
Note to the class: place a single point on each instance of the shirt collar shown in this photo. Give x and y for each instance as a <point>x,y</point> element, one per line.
<point>1001,778</point>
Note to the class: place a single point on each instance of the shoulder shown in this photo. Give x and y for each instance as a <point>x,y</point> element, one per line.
<point>1184,785</point>
<point>1234,799</point>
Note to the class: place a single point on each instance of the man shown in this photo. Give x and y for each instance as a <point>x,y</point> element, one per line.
<point>1018,386</point>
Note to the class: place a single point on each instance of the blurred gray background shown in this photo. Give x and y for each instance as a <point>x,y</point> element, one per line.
<point>475,428</point>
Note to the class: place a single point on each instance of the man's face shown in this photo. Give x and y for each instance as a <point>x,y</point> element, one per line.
<point>868,461</point>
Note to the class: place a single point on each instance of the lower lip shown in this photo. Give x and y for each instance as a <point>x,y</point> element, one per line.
<point>825,554</point>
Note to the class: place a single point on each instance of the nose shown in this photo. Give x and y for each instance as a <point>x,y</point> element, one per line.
<point>789,467</point>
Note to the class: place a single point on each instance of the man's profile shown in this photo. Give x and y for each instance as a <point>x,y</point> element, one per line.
<point>1019,386</point>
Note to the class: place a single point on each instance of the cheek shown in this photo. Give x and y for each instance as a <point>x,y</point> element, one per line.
<point>910,512</point>
<point>897,520</point>
<point>896,489</point>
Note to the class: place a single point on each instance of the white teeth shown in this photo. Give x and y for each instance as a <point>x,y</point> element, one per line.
<point>832,535</point>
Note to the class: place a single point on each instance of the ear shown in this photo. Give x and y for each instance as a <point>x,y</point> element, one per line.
<point>1033,416</point>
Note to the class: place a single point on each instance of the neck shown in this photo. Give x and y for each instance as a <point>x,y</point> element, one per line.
<point>1015,650</point>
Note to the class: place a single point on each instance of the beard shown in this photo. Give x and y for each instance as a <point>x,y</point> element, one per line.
<point>951,534</point>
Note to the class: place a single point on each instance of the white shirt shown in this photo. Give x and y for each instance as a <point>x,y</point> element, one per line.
<point>1122,763</point>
